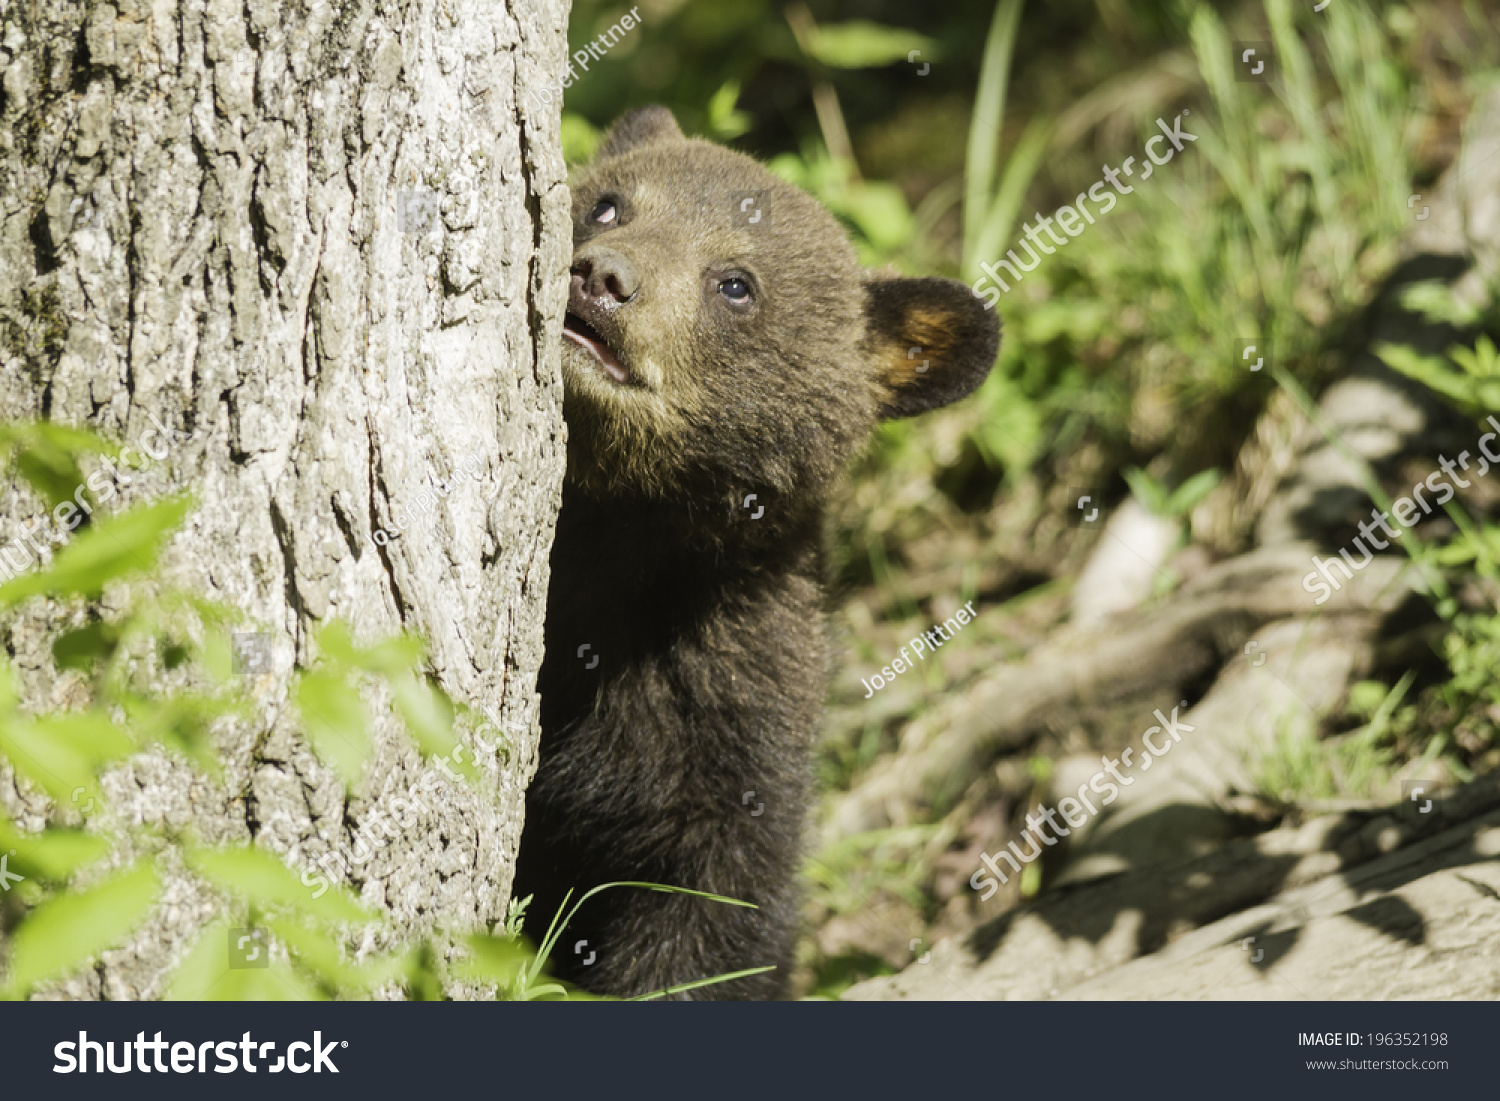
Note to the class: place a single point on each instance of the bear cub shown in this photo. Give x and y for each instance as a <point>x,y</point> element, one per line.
<point>724,355</point>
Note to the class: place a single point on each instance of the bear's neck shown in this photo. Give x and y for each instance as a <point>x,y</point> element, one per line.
<point>641,588</point>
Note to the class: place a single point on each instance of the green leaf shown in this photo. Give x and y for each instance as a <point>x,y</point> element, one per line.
<point>561,919</point>
<point>261,878</point>
<point>1020,168</point>
<point>724,122</point>
<point>335,720</point>
<point>68,929</point>
<point>9,694</point>
<point>1365,698</point>
<point>881,212</point>
<point>428,714</point>
<point>981,164</point>
<point>61,753</point>
<point>860,44</point>
<point>1185,497</point>
<point>423,983</point>
<point>1463,389</point>
<point>76,440</point>
<point>1010,435</point>
<point>500,960</point>
<point>216,654</point>
<point>205,975</point>
<point>390,657</point>
<point>54,854</point>
<point>181,723</point>
<point>213,613</point>
<point>324,957</point>
<point>47,457</point>
<point>1151,493</point>
<point>131,540</point>
<point>82,647</point>
<point>1482,361</point>
<point>1382,716</point>
<point>1436,302</point>
<point>579,138</point>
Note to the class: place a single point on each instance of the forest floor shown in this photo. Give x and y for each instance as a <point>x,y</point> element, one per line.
<point>1261,843</point>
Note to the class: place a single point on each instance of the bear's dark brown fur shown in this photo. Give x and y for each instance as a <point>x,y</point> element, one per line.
<point>720,369</point>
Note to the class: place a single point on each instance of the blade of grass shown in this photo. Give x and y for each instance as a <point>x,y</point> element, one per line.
<point>1020,169</point>
<point>555,930</point>
<point>982,160</point>
<point>683,987</point>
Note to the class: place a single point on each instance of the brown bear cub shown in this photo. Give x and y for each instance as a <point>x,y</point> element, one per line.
<point>723,357</point>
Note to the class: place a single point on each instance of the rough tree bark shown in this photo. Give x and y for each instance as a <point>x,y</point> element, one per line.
<point>207,218</point>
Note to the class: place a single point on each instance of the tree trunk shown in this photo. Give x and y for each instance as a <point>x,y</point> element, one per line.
<point>324,245</point>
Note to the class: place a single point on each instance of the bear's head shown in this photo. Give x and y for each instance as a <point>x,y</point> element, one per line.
<point>721,338</point>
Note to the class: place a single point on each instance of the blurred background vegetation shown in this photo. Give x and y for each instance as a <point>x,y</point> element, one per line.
<point>932,132</point>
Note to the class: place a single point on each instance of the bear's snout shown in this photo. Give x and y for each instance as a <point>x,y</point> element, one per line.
<point>603,276</point>
<point>602,280</point>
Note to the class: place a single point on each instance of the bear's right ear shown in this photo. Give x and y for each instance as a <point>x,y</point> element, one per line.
<point>643,126</point>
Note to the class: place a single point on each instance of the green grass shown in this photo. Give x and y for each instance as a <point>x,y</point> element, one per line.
<point>1276,224</point>
<point>1298,766</point>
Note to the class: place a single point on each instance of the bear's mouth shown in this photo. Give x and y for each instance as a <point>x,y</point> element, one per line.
<point>583,334</point>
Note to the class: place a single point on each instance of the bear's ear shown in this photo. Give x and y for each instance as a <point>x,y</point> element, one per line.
<point>929,342</point>
<point>643,126</point>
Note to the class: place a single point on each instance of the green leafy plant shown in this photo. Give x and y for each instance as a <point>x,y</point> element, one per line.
<point>159,672</point>
<point>1469,378</point>
<point>1281,216</point>
<point>1300,766</point>
<point>861,44</point>
<point>1170,504</point>
<point>724,121</point>
<point>580,138</point>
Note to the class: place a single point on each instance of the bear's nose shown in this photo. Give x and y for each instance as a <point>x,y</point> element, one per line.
<point>603,277</point>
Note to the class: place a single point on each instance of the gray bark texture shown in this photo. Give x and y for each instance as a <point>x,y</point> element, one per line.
<point>216,214</point>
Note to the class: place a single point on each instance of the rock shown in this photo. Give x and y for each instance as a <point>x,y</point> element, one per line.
<point>1125,563</point>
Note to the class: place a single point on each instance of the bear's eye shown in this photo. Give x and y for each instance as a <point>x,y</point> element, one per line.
<point>735,289</point>
<point>604,213</point>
